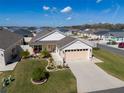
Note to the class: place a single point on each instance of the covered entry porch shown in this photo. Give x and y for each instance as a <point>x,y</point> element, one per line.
<point>48,47</point>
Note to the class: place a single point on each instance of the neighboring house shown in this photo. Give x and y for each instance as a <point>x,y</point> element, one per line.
<point>9,46</point>
<point>26,34</point>
<point>117,36</point>
<point>66,31</point>
<point>68,48</point>
<point>95,34</point>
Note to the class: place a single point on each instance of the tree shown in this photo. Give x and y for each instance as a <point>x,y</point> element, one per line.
<point>39,74</point>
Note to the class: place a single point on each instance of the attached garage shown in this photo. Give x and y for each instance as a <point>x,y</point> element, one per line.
<point>76,54</point>
<point>76,50</point>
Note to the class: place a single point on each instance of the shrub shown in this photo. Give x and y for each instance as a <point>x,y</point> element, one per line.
<point>50,59</point>
<point>114,43</point>
<point>111,43</point>
<point>96,48</point>
<point>59,67</point>
<point>50,67</point>
<point>39,74</point>
<point>108,43</point>
<point>24,54</point>
<point>45,53</point>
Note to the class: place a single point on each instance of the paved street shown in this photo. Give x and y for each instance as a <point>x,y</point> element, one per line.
<point>111,49</point>
<point>92,78</point>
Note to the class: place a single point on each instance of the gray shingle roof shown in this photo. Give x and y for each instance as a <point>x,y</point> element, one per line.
<point>24,32</point>
<point>42,34</point>
<point>8,38</point>
<point>116,34</point>
<point>65,41</point>
<point>43,42</point>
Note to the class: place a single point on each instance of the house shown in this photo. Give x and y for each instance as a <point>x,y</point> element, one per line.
<point>9,46</point>
<point>68,48</point>
<point>117,36</point>
<point>26,34</point>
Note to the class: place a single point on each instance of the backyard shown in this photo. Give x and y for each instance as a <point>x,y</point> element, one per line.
<point>59,81</point>
<point>113,63</point>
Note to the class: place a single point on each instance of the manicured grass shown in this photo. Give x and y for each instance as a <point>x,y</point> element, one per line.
<point>113,63</point>
<point>59,82</point>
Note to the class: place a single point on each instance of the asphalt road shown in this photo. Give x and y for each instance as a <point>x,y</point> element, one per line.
<point>111,49</point>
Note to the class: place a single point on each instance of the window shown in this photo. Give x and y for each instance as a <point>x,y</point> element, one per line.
<point>86,49</point>
<point>72,50</point>
<point>80,49</point>
<point>65,50</point>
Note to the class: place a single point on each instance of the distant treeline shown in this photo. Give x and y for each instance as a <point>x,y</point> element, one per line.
<point>98,26</point>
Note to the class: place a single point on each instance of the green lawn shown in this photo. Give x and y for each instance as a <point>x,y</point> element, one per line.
<point>59,82</point>
<point>113,63</point>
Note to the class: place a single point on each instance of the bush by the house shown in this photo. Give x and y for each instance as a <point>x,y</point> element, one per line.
<point>59,67</point>
<point>96,48</point>
<point>50,67</point>
<point>50,59</point>
<point>24,54</point>
<point>39,74</point>
<point>45,53</point>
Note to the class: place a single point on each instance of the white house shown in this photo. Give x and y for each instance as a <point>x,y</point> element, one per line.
<point>68,48</point>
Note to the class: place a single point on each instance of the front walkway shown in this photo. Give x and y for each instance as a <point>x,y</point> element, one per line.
<point>57,59</point>
<point>92,78</point>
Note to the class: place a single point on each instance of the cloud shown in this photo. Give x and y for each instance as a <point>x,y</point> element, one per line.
<point>99,1</point>
<point>69,18</point>
<point>46,8</point>
<point>67,9</point>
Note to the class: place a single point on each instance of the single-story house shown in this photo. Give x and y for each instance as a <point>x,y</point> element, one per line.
<point>9,46</point>
<point>117,36</point>
<point>26,34</point>
<point>68,48</point>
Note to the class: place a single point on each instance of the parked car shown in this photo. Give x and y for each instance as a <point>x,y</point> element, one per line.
<point>121,45</point>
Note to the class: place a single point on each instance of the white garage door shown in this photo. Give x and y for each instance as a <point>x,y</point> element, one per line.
<point>79,54</point>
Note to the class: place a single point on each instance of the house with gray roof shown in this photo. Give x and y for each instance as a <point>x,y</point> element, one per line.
<point>9,46</point>
<point>117,36</point>
<point>66,47</point>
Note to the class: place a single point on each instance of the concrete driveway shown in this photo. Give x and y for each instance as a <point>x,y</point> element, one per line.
<point>92,78</point>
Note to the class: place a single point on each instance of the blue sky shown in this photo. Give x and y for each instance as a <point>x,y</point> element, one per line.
<point>60,12</point>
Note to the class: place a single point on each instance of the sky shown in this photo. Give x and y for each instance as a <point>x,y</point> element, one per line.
<point>60,12</point>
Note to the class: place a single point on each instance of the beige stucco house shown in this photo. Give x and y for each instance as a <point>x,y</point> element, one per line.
<point>68,48</point>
